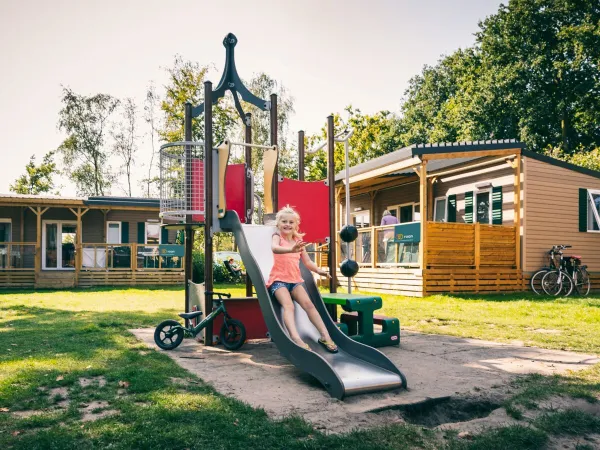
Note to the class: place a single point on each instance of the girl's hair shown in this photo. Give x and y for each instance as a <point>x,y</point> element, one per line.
<point>386,213</point>
<point>288,210</point>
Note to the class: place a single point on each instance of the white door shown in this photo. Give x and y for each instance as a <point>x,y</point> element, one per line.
<point>58,245</point>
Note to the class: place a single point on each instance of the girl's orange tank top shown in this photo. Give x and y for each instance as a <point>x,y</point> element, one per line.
<point>286,266</point>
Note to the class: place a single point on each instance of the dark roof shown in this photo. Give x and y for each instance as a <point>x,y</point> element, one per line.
<point>123,201</point>
<point>451,147</point>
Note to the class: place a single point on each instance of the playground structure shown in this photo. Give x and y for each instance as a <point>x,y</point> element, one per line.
<point>196,193</point>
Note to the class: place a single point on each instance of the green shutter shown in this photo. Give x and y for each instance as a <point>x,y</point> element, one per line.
<point>497,205</point>
<point>124,232</point>
<point>469,207</point>
<point>452,208</point>
<point>141,233</point>
<point>583,212</point>
<point>164,235</point>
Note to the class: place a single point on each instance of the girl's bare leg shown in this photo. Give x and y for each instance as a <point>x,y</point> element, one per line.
<point>303,300</point>
<point>285,300</point>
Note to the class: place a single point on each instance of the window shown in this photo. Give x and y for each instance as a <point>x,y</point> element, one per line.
<point>593,211</point>
<point>5,230</point>
<point>483,204</point>
<point>406,212</point>
<point>439,210</point>
<point>152,233</point>
<point>113,232</point>
<point>361,219</point>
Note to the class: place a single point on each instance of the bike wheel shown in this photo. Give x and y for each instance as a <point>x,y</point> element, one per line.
<point>552,282</point>
<point>582,283</point>
<point>233,334</point>
<point>168,334</point>
<point>567,285</point>
<point>536,281</point>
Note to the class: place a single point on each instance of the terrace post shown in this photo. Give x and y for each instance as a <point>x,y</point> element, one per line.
<point>517,202</point>
<point>423,199</point>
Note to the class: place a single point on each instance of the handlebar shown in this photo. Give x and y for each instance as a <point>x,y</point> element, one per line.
<point>219,294</point>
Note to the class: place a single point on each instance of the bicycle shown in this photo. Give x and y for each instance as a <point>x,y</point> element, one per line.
<point>170,333</point>
<point>579,274</point>
<point>536,279</point>
<point>558,280</point>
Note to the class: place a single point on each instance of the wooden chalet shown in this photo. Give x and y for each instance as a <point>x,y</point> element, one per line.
<point>59,242</point>
<point>486,213</point>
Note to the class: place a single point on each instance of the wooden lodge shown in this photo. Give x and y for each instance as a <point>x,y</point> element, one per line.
<point>58,242</point>
<point>486,213</point>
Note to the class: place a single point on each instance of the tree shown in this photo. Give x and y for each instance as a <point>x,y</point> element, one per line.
<point>37,179</point>
<point>151,105</point>
<point>85,119</point>
<point>186,84</point>
<point>125,136</point>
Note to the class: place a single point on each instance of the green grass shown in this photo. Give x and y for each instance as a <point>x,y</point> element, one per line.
<point>52,339</point>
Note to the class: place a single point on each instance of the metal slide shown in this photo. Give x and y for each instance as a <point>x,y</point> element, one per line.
<point>355,369</point>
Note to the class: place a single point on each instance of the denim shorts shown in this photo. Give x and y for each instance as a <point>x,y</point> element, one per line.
<point>280,284</point>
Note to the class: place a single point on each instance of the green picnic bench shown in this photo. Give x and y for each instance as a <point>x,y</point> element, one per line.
<point>359,319</point>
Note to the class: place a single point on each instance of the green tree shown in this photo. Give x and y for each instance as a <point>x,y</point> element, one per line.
<point>125,140</point>
<point>151,106</point>
<point>85,120</point>
<point>186,84</point>
<point>36,179</point>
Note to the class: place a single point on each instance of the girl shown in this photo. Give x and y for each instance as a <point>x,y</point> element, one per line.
<point>285,280</point>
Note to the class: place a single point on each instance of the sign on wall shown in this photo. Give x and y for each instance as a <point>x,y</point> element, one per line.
<point>171,250</point>
<point>407,233</point>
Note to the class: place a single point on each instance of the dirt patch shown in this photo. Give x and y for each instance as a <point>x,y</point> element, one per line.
<point>96,410</point>
<point>590,442</point>
<point>59,393</point>
<point>93,381</point>
<point>435,412</point>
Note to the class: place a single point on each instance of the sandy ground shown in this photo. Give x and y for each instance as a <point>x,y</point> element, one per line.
<point>435,366</point>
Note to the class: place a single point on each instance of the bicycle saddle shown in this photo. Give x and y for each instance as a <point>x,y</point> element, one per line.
<point>190,315</point>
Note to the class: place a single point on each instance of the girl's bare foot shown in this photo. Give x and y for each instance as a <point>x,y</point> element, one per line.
<point>301,343</point>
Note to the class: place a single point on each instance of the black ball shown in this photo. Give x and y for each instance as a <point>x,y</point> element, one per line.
<point>349,268</point>
<point>348,233</point>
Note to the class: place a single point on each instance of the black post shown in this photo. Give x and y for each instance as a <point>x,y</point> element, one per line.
<point>332,231</point>
<point>301,155</point>
<point>189,232</point>
<point>274,142</point>
<point>249,193</point>
<point>208,208</point>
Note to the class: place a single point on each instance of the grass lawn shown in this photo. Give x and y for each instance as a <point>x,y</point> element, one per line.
<point>67,356</point>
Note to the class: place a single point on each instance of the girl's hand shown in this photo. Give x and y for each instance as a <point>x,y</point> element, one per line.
<point>298,246</point>
<point>323,273</point>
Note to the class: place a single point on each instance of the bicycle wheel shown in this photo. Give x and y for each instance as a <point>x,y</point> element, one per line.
<point>582,281</point>
<point>536,281</point>
<point>233,334</point>
<point>168,334</point>
<point>556,282</point>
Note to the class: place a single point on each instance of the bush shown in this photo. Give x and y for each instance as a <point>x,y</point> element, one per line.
<point>220,272</point>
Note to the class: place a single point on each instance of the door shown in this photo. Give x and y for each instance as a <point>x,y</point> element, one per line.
<point>406,213</point>
<point>58,249</point>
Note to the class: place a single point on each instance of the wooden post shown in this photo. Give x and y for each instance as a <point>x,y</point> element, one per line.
<point>477,246</point>
<point>423,200</point>
<point>38,211</point>
<point>517,203</point>
<point>374,247</point>
<point>22,237</point>
<point>105,214</point>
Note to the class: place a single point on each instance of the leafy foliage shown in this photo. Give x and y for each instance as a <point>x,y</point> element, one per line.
<point>85,120</point>
<point>36,179</point>
<point>125,139</point>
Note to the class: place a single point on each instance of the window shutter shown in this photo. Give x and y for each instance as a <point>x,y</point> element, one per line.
<point>141,233</point>
<point>469,207</point>
<point>124,232</point>
<point>164,235</point>
<point>583,212</point>
<point>497,205</point>
<point>452,208</point>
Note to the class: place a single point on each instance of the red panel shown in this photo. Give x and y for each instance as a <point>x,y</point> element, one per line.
<point>197,189</point>
<point>235,189</point>
<point>311,200</point>
<point>249,313</point>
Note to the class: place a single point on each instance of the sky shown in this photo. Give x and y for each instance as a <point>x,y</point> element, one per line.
<point>328,54</point>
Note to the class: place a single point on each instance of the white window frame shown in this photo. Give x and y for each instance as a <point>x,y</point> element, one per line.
<point>435,207</point>
<point>108,223</point>
<point>9,220</point>
<point>397,208</point>
<point>146,232</point>
<point>591,205</point>
<point>59,224</point>
<point>361,213</point>
<point>482,191</point>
